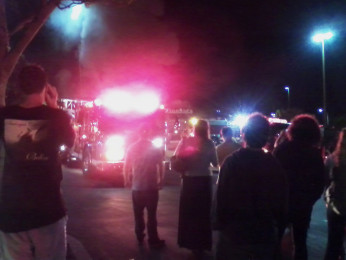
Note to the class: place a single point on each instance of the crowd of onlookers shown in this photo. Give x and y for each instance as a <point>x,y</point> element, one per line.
<point>260,194</point>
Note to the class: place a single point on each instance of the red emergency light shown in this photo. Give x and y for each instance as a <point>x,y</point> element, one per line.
<point>125,102</point>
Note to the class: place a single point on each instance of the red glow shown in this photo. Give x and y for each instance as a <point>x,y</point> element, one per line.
<point>146,102</point>
<point>120,101</point>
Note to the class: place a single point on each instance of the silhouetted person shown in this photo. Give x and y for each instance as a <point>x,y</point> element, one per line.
<point>32,212</point>
<point>228,146</point>
<point>251,196</point>
<point>194,231</point>
<point>281,138</point>
<point>302,161</point>
<point>336,200</point>
<point>143,171</point>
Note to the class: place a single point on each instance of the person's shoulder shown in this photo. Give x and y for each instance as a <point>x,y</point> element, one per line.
<point>55,110</point>
<point>210,142</point>
<point>284,147</point>
<point>234,144</point>
<point>236,155</point>
<point>270,158</point>
<point>189,139</point>
<point>219,146</point>
<point>58,113</point>
<point>132,146</point>
<point>138,145</point>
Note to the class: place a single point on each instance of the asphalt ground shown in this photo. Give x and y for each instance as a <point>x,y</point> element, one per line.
<point>167,226</point>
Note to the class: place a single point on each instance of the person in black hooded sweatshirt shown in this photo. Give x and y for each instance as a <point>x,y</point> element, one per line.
<point>251,198</point>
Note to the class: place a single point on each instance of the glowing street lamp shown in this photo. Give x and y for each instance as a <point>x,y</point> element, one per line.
<point>76,12</point>
<point>321,37</point>
<point>287,88</point>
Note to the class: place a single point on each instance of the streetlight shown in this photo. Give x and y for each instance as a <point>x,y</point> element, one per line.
<point>321,37</point>
<point>287,88</point>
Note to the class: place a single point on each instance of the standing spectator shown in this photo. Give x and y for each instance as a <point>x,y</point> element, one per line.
<point>336,200</point>
<point>228,146</point>
<point>281,138</point>
<point>194,230</point>
<point>251,197</point>
<point>302,161</point>
<point>32,212</point>
<point>143,172</point>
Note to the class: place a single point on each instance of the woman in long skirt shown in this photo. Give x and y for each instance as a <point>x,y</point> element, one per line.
<point>198,152</point>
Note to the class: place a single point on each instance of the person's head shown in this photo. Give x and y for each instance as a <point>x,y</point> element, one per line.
<point>256,131</point>
<point>226,133</point>
<point>305,129</point>
<point>202,129</point>
<point>32,79</point>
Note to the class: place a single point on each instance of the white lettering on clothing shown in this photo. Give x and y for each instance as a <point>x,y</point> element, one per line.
<point>36,157</point>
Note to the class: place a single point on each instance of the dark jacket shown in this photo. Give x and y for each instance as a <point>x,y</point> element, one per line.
<point>251,197</point>
<point>305,172</point>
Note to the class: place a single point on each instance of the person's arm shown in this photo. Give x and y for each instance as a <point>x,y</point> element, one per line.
<point>329,163</point>
<point>220,205</point>
<point>67,132</point>
<point>51,96</point>
<point>281,197</point>
<point>322,179</point>
<point>161,174</point>
<point>127,171</point>
<point>214,158</point>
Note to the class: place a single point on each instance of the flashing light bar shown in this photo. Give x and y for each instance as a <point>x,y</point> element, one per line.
<point>277,120</point>
<point>122,102</point>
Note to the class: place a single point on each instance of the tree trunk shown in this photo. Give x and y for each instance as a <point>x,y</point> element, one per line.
<point>3,46</point>
<point>9,58</point>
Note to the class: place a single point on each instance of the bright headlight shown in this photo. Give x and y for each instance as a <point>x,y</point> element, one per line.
<point>158,142</point>
<point>115,148</point>
<point>62,148</point>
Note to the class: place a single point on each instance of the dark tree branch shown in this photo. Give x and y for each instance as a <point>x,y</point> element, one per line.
<point>68,3</point>
<point>22,25</point>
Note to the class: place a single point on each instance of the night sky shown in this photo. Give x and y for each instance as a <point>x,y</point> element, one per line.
<point>231,55</point>
<point>251,50</point>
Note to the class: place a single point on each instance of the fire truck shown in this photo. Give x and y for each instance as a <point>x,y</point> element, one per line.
<point>106,126</point>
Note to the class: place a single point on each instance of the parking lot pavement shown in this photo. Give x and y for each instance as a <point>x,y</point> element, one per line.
<point>108,213</point>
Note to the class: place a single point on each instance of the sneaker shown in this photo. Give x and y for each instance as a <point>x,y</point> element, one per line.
<point>157,244</point>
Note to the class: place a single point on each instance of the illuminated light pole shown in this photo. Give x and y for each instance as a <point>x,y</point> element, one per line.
<point>287,88</point>
<point>320,111</point>
<point>321,37</point>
